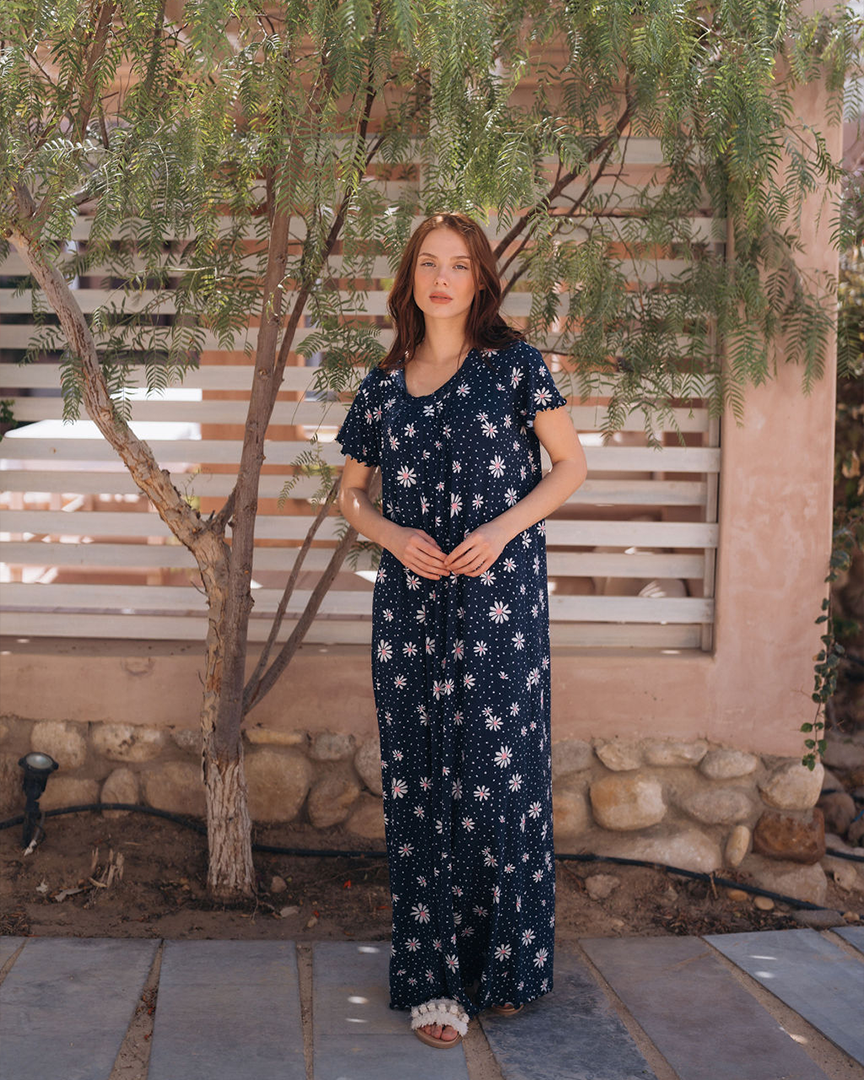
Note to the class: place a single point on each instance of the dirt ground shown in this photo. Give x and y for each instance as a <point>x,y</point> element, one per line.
<point>162,889</point>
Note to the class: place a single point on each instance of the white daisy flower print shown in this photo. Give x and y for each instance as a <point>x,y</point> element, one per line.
<point>503,757</point>
<point>499,612</point>
<point>385,651</point>
<point>496,466</point>
<point>406,476</point>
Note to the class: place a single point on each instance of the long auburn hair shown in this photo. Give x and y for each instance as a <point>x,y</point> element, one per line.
<point>484,329</point>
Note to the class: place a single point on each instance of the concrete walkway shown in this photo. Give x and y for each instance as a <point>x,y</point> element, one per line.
<point>772,1005</point>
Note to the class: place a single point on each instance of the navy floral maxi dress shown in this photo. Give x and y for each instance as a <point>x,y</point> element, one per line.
<point>461,679</point>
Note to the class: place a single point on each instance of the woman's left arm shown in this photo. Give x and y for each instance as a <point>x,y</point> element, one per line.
<point>554,428</point>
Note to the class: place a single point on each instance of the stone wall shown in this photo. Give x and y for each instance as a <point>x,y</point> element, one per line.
<point>689,804</point>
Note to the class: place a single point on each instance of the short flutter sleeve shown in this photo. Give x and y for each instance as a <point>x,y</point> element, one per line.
<point>360,433</point>
<point>538,389</point>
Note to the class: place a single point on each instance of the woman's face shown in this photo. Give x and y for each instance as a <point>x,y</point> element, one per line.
<point>443,277</point>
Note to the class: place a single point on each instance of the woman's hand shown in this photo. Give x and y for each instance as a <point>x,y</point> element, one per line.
<point>477,551</point>
<point>417,551</point>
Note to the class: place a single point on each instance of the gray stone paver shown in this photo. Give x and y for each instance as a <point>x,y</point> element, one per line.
<point>231,1009</point>
<point>66,1005</point>
<point>853,934</point>
<point>808,973</point>
<point>702,1021</point>
<point>228,1009</point>
<point>356,1031</point>
<point>570,1032</point>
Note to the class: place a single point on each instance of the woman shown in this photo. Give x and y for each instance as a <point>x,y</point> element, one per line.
<point>454,416</point>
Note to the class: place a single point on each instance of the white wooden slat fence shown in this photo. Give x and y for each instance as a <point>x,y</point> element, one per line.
<point>85,555</point>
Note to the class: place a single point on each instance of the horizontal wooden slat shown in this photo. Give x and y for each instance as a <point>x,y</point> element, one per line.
<point>607,492</point>
<point>19,446</point>
<point>325,632</point>
<point>153,556</point>
<point>310,413</point>
<point>165,599</point>
<point>294,527</point>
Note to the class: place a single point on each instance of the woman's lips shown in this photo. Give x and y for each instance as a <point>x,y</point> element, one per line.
<point>439,298</point>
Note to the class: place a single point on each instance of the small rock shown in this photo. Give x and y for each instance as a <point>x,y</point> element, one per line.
<point>331,798</point>
<point>717,805</point>
<point>599,886</point>
<point>686,847</point>
<point>792,786</point>
<point>367,762</point>
<point>839,810</point>
<point>65,742</point>
<point>127,742</point>
<point>120,786</point>
<point>830,781</point>
<point>618,755</point>
<point>764,903</point>
<point>727,764</point>
<point>851,916</point>
<point>278,885</point>
<point>616,924</point>
<point>737,845</point>
<point>570,756</point>
<point>312,920</point>
<point>287,912</point>
<point>785,836</point>
<point>737,895</point>
<point>673,751</point>
<point>846,876</point>
<point>818,920</point>
<point>332,746</point>
<point>627,802</point>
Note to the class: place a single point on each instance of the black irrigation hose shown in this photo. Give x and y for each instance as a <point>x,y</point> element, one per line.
<point>272,849</point>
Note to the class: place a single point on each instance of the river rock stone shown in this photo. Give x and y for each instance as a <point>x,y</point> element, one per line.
<point>792,837</point>
<point>727,764</point>
<point>570,813</point>
<point>331,798</point>
<point>128,742</point>
<point>673,751</point>
<point>263,736</point>
<point>839,810</point>
<point>189,740</point>
<point>627,802</point>
<point>5,729</point>
<point>278,782</point>
<point>737,846</point>
<point>717,806</point>
<point>830,781</point>
<point>792,786</point>
<point>175,786</point>
<point>11,793</point>
<point>367,762</point>
<point>619,755</point>
<point>791,879</point>
<point>65,742</point>
<point>599,886</point>
<point>120,786</point>
<point>69,791</point>
<point>332,746</point>
<point>845,874</point>
<point>684,846</point>
<point>843,753</point>
<point>367,817</point>
<point>570,756</point>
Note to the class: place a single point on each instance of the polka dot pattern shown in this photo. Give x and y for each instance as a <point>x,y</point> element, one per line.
<point>461,678</point>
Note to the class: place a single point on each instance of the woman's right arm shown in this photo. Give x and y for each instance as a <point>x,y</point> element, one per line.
<point>414,548</point>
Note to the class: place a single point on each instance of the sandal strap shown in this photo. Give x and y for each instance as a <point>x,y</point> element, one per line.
<point>442,1011</point>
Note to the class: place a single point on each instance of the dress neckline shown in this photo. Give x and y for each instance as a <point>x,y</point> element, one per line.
<point>443,386</point>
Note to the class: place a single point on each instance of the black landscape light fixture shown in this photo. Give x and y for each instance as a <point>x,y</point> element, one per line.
<point>37,768</point>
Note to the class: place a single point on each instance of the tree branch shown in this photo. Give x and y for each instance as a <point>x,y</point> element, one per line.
<point>88,83</point>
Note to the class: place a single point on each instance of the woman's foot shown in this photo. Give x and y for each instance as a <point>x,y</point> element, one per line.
<point>443,1034</point>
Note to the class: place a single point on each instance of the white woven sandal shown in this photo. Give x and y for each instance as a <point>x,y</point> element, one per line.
<point>443,1011</point>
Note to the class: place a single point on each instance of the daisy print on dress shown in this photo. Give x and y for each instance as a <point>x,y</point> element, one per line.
<point>461,680</point>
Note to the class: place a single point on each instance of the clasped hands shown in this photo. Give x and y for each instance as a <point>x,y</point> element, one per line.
<point>422,555</point>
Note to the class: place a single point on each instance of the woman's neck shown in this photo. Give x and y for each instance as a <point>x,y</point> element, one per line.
<point>442,345</point>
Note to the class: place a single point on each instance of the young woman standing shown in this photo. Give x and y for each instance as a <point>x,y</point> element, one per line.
<point>455,416</point>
